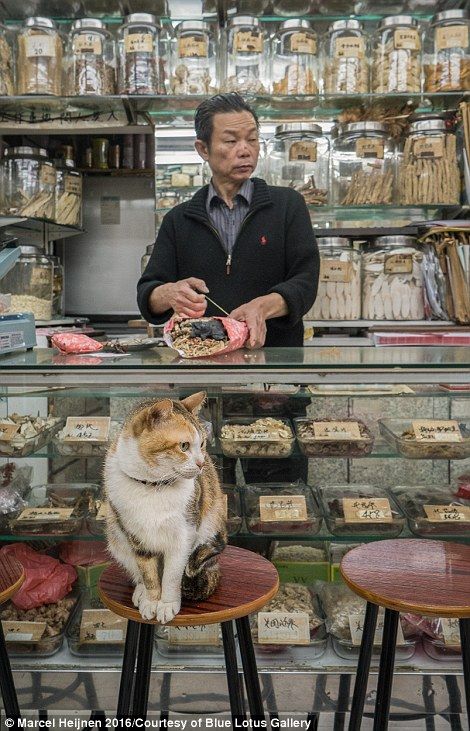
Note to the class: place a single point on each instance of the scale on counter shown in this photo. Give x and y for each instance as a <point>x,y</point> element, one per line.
<point>17,331</point>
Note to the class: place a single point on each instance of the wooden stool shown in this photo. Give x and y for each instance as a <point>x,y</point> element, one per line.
<point>247,583</point>
<point>11,578</point>
<point>416,576</point>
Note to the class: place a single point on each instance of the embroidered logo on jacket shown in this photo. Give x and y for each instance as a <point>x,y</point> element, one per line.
<point>263,240</point>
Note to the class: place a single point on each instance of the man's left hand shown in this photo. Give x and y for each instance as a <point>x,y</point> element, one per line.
<point>253,314</point>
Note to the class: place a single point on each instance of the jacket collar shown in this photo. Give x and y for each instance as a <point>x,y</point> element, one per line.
<point>196,207</point>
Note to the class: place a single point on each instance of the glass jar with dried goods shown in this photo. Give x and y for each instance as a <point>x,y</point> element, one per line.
<point>298,157</point>
<point>396,63</point>
<point>39,67</point>
<point>429,171</point>
<point>447,52</point>
<point>91,59</point>
<point>57,287</point>
<point>346,56</point>
<point>194,60</point>
<point>294,59</point>
<point>247,54</point>
<point>30,284</point>
<point>363,165</point>
<point>29,179</point>
<point>141,65</point>
<point>339,286</point>
<point>68,193</point>
<point>7,76</point>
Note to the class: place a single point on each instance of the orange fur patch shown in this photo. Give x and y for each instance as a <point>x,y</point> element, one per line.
<point>163,434</point>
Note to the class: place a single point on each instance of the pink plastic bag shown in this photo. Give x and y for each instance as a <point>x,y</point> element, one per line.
<point>75,343</point>
<point>237,333</point>
<point>47,579</point>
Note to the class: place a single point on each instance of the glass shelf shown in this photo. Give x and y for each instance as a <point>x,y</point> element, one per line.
<point>382,216</point>
<point>36,230</point>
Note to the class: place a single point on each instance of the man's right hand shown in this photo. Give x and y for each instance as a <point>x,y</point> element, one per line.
<point>185,298</point>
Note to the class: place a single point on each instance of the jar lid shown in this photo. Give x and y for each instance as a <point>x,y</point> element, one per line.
<point>334,241</point>
<point>293,127</point>
<point>245,20</point>
<point>425,125</point>
<point>193,25</point>
<point>293,23</point>
<point>87,24</point>
<point>348,24</point>
<point>398,20</point>
<point>141,19</point>
<point>34,22</point>
<point>395,241</point>
<point>27,151</point>
<point>450,15</point>
<point>31,250</point>
<point>364,127</point>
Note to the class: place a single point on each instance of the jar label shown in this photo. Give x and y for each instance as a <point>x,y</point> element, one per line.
<point>367,147</point>
<point>41,276</point>
<point>433,430</point>
<point>332,270</point>
<point>282,508</point>
<point>283,628</point>
<point>367,510</point>
<point>303,151</point>
<point>451,631</point>
<point>303,43</point>
<point>87,429</point>
<point>8,431</point>
<point>248,41</point>
<point>447,513</point>
<point>349,47</point>
<point>337,431</point>
<point>432,147</point>
<point>88,43</point>
<point>44,514</point>
<point>40,45</point>
<point>138,43</point>
<point>451,36</point>
<point>398,264</point>
<point>356,627</point>
<point>23,631</point>
<point>196,634</point>
<point>407,38</point>
<point>73,184</point>
<point>101,625</point>
<point>47,175</point>
<point>193,47</point>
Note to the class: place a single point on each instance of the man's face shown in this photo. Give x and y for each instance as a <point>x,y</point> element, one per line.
<point>234,148</point>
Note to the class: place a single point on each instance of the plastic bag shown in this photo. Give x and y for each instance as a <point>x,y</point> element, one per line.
<point>75,343</point>
<point>84,553</point>
<point>205,336</point>
<point>47,579</point>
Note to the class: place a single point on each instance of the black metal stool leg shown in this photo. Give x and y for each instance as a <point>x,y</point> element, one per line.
<point>250,670</point>
<point>343,702</point>
<point>465,644</point>
<point>231,668</point>
<point>143,671</point>
<point>165,691</point>
<point>363,667</point>
<point>387,662</point>
<point>7,687</point>
<point>128,666</point>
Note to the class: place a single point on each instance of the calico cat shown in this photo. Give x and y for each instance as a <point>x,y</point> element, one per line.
<point>165,522</point>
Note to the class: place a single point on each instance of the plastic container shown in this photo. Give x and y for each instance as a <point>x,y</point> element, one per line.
<point>247,56</point>
<point>40,52</point>
<point>189,642</point>
<point>282,511</point>
<point>396,66</point>
<point>7,66</point>
<point>429,522</point>
<point>339,286</point>
<point>337,551</point>
<point>300,562</point>
<point>234,509</point>
<point>85,639</point>
<point>26,442</point>
<point>311,446</point>
<point>29,180</point>
<point>88,448</point>
<point>399,434</point>
<point>333,508</point>
<point>141,69</point>
<point>447,52</point>
<point>265,437</point>
<point>194,59</point>
<point>66,504</point>
<point>363,165</point>
<point>53,636</point>
<point>298,157</point>
<point>91,59</point>
<point>346,53</point>
<point>295,59</point>
<point>30,284</point>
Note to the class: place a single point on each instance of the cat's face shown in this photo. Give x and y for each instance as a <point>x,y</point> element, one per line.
<point>164,441</point>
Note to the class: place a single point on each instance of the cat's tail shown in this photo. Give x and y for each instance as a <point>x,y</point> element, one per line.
<point>202,573</point>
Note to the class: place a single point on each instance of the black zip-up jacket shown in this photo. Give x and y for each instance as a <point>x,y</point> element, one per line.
<point>275,251</point>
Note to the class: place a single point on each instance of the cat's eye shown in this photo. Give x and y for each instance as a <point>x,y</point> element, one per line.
<point>184,446</point>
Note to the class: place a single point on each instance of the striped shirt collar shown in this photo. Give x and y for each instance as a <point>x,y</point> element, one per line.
<point>246,192</point>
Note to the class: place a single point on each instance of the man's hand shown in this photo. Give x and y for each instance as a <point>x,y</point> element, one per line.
<point>182,296</point>
<point>253,314</point>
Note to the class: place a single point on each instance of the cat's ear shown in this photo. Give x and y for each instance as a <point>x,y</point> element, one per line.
<point>194,402</point>
<point>159,411</point>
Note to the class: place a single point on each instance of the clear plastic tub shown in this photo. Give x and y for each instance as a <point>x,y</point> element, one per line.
<point>23,445</point>
<point>300,562</point>
<point>331,501</point>
<point>281,516</point>
<point>399,434</point>
<point>56,616</point>
<point>60,509</point>
<point>413,500</point>
<point>112,638</point>
<point>439,650</point>
<point>265,437</point>
<point>327,447</point>
<point>234,509</point>
<point>189,645</point>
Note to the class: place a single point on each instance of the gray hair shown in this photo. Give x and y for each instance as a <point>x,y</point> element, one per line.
<point>218,104</point>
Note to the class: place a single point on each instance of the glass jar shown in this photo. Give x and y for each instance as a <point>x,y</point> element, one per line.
<point>294,59</point>
<point>7,64</point>
<point>68,192</point>
<point>146,257</point>
<point>91,59</point>
<point>363,165</point>
<point>392,280</point>
<point>447,52</point>
<point>30,283</point>
<point>339,285</point>
<point>429,171</point>
<point>194,61</point>
<point>39,67</point>
<point>246,57</point>
<point>141,69</point>
<point>57,286</point>
<point>396,63</point>
<point>29,181</point>
<point>346,58</point>
<point>100,152</point>
<point>298,156</point>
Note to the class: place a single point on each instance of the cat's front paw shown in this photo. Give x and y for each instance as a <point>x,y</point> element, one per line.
<point>139,592</point>
<point>148,608</point>
<point>167,610</point>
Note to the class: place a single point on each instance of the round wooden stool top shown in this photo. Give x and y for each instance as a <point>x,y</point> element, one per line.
<point>247,583</point>
<point>412,575</point>
<point>11,577</point>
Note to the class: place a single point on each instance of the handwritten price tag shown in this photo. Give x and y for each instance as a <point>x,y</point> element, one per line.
<point>447,513</point>
<point>283,628</point>
<point>202,634</point>
<point>87,429</point>
<point>282,508</point>
<point>335,271</point>
<point>367,510</point>
<point>430,430</point>
<point>336,430</point>
<point>101,625</point>
<point>451,632</point>
<point>356,626</point>
<point>23,631</point>
<point>44,514</point>
<point>8,431</point>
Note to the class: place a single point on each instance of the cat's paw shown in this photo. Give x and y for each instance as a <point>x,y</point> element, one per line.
<point>139,592</point>
<point>148,608</point>
<point>167,610</point>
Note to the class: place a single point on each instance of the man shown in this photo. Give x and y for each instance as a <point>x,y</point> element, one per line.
<point>248,245</point>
